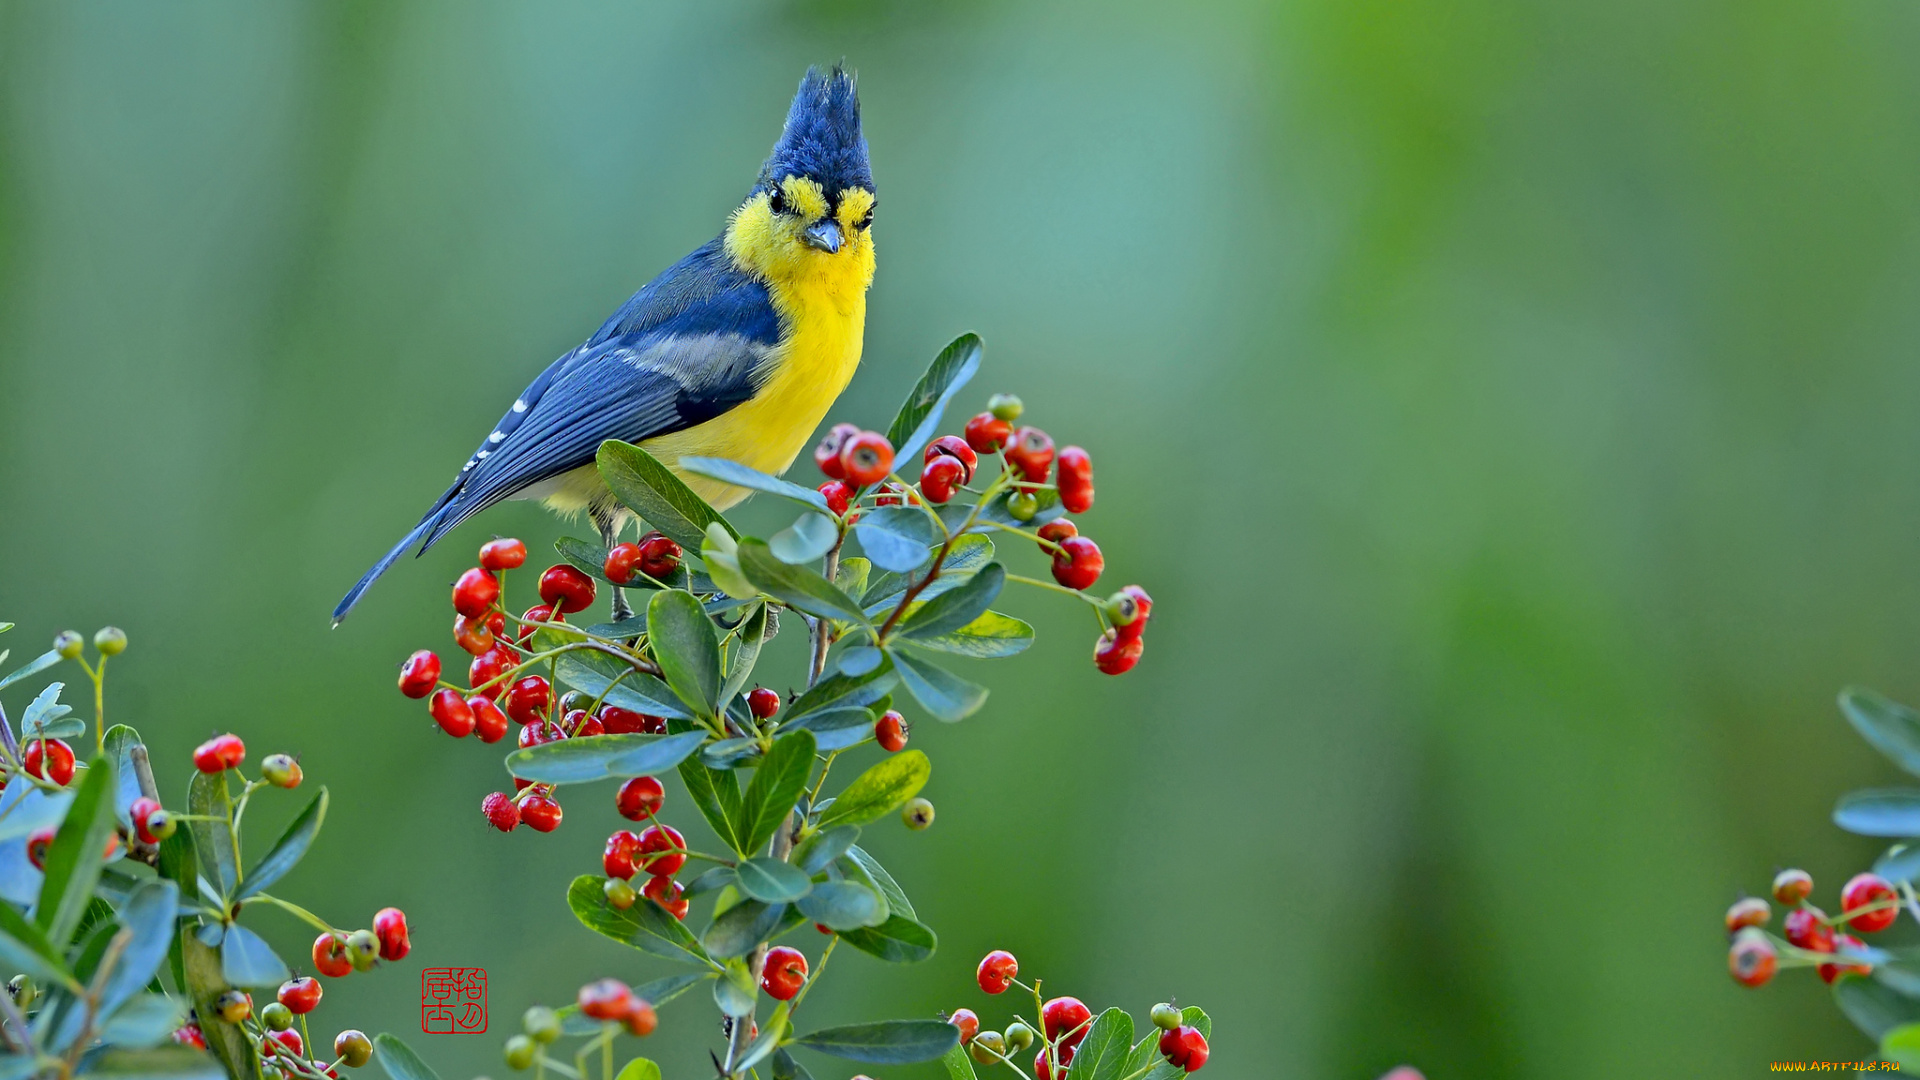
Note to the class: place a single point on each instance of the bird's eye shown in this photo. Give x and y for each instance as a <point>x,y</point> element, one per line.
<point>866,222</point>
<point>777,200</point>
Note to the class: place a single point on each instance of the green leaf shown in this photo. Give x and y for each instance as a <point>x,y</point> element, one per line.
<point>247,960</point>
<point>959,1065</point>
<point>855,873</point>
<point>859,660</point>
<point>989,637</point>
<point>807,539</point>
<point>713,879</point>
<point>818,851</point>
<point>204,984</point>
<point>919,416</point>
<point>739,928</point>
<point>717,794</point>
<point>775,1030</point>
<point>730,753</point>
<point>899,940</point>
<point>159,1063</point>
<point>785,1068</point>
<point>885,1042</point>
<point>148,916</point>
<point>796,586</point>
<point>25,809</point>
<point>639,1069</point>
<point>897,538</point>
<point>650,489</point>
<point>288,850</point>
<point>880,790</point>
<point>146,1020</point>
<point>836,729</point>
<point>1900,863</point>
<point>1874,1008</point>
<point>618,684</point>
<point>734,991</point>
<point>213,839</point>
<point>841,691</point>
<point>939,691</point>
<point>890,889</point>
<point>777,783</point>
<point>660,991</point>
<point>24,948</point>
<point>644,925</point>
<point>73,862</point>
<point>842,905</point>
<point>1891,727</point>
<point>956,607</point>
<point>598,757</point>
<point>732,472</point>
<point>399,1060</point>
<point>31,668</point>
<point>851,577</point>
<point>965,556</point>
<point>1102,1054</point>
<point>721,554</point>
<point>1902,1045</point>
<point>121,742</point>
<point>1884,812</point>
<point>775,882</point>
<point>746,653</point>
<point>686,648</point>
<point>42,718</point>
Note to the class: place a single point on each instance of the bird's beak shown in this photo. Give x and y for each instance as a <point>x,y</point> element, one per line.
<point>824,234</point>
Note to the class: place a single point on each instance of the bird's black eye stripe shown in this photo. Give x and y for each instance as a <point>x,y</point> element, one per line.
<point>866,222</point>
<point>777,200</point>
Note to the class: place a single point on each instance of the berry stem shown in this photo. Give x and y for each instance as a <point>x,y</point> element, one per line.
<point>818,970</point>
<point>286,905</point>
<point>1075,593</point>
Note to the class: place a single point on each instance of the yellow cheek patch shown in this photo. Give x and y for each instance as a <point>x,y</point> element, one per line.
<point>855,204</point>
<point>805,196</point>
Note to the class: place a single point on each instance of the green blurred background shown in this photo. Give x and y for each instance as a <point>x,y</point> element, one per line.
<point>1510,405</point>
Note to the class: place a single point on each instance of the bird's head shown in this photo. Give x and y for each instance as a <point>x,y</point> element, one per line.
<point>811,211</point>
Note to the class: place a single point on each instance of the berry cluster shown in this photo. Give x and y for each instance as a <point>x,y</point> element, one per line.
<point>1064,1024</point>
<point>283,1050</point>
<point>1868,904</point>
<point>617,1008</point>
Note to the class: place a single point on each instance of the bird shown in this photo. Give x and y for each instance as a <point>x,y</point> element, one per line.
<point>736,351</point>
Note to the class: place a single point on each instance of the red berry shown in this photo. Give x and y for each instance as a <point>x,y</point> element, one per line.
<point>763,702</point>
<point>838,495</point>
<point>190,1035</point>
<point>419,674</point>
<point>390,926</point>
<point>890,731</point>
<point>288,1038</point>
<point>539,613</point>
<point>452,713</point>
<point>1075,479</point>
<point>475,593</point>
<point>662,838</point>
<point>1078,563</point>
<point>1066,1020</point>
<point>968,1022</point>
<point>38,842</point>
<point>997,971</point>
<point>1043,1067</point>
<point>504,553</point>
<point>486,669</point>
<point>1055,531</point>
<point>527,701</point>
<point>1807,928</point>
<point>488,721</point>
<point>301,995</point>
<point>217,754</point>
<point>501,813</point>
<point>1865,889</point>
<point>1792,886</point>
<point>1184,1046</point>
<point>659,556</point>
<point>827,453</point>
<point>52,759</point>
<point>640,798</point>
<point>620,563</point>
<point>535,734</point>
<point>987,433</point>
<point>1031,453</point>
<point>1751,911</point>
<point>1116,655</point>
<point>641,1019</point>
<point>894,495</point>
<point>666,892</point>
<point>867,458</point>
<point>608,999</point>
<point>330,956</point>
<point>473,635</point>
<point>617,858</point>
<point>138,813</point>
<point>955,447</point>
<point>784,974</point>
<point>566,589</point>
<point>940,478</point>
<point>823,928</point>
<point>621,721</point>
<point>1830,972</point>
<point>540,812</point>
<point>1138,606</point>
<point>589,725</point>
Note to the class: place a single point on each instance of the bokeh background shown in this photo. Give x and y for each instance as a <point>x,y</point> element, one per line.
<point>1512,406</point>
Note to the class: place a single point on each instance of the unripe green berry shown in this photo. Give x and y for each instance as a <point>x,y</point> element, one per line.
<point>1023,505</point>
<point>363,948</point>
<point>1122,609</point>
<point>571,700</point>
<point>353,1048</point>
<point>276,1016</point>
<point>161,824</point>
<point>233,1006</point>
<point>110,640</point>
<point>1166,1017</point>
<point>519,1052</point>
<point>22,990</point>
<point>280,770</point>
<point>620,894</point>
<point>542,1023</point>
<point>1044,498</point>
<point>1006,407</point>
<point>68,643</point>
<point>1019,1036</point>
<point>918,814</point>
<point>988,1047</point>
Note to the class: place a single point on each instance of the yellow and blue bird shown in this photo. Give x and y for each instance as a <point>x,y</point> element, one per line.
<point>736,351</point>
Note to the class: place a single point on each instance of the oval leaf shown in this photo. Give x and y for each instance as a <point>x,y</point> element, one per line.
<point>732,472</point>
<point>399,1059</point>
<point>596,673</point>
<point>1891,727</point>
<point>287,852</point>
<point>776,784</point>
<point>818,851</point>
<point>899,940</point>
<point>686,648</point>
<point>645,925</point>
<point>842,905</point>
<point>885,1042</point>
<point>946,695</point>
<point>919,416</point>
<point>639,1069</point>
<point>734,991</point>
<point>1886,812</point>
<point>212,840</point>
<point>73,861</point>
<point>989,637</point>
<point>958,606</point>
<point>889,889</point>
<point>806,540</point>
<point>797,586</point>
<point>146,1020</point>
<point>246,960</point>
<point>769,879</point>
<point>837,729</point>
<point>896,538</point>
<point>662,500</point>
<point>741,927</point>
<point>148,915</point>
<point>597,757</point>
<point>880,790</point>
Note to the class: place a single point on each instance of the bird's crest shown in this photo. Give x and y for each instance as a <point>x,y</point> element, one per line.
<point>822,139</point>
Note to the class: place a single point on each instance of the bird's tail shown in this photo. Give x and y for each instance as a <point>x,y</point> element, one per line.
<point>386,561</point>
